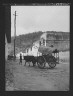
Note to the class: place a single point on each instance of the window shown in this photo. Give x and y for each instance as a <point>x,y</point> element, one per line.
<point>31,48</point>
<point>43,42</point>
<point>27,50</point>
<point>40,43</point>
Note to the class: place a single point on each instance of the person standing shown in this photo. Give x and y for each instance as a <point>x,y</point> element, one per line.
<point>20,59</point>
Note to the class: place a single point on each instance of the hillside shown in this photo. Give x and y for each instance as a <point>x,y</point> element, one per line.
<point>24,41</point>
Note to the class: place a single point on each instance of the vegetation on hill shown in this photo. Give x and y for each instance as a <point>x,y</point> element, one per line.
<point>24,41</point>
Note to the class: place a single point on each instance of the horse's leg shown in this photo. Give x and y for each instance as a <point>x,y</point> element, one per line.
<point>29,63</point>
<point>25,63</point>
<point>33,64</point>
<point>19,62</point>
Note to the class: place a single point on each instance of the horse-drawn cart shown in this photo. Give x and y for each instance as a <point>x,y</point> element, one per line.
<point>48,56</point>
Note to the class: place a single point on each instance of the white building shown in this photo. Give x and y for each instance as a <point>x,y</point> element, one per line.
<point>34,49</point>
<point>28,51</point>
<point>43,39</point>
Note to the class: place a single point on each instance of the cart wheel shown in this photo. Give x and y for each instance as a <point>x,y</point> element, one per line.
<point>41,65</point>
<point>52,64</point>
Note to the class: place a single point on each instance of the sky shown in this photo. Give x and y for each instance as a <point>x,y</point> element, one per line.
<point>40,18</point>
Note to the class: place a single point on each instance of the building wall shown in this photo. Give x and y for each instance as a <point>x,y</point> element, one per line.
<point>29,51</point>
<point>8,22</point>
<point>7,48</point>
<point>34,51</point>
<point>43,39</point>
<point>7,10</point>
<point>36,44</point>
<point>44,36</point>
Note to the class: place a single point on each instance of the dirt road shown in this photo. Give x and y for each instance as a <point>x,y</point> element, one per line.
<point>34,79</point>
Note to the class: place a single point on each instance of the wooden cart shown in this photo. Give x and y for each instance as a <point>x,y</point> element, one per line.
<point>48,56</point>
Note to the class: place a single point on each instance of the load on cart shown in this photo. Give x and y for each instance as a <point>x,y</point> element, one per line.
<point>49,55</point>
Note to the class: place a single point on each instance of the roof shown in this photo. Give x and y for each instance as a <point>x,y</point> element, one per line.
<point>36,41</point>
<point>44,35</point>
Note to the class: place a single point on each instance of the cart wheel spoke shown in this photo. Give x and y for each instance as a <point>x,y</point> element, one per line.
<point>41,65</point>
<point>52,64</point>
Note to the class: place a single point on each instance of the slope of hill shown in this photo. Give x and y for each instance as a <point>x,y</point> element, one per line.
<point>24,41</point>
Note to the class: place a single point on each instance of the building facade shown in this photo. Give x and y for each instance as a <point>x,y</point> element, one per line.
<point>43,39</point>
<point>33,50</point>
<point>7,10</point>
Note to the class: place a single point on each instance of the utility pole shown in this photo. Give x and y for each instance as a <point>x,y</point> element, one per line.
<point>14,32</point>
<point>20,43</point>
